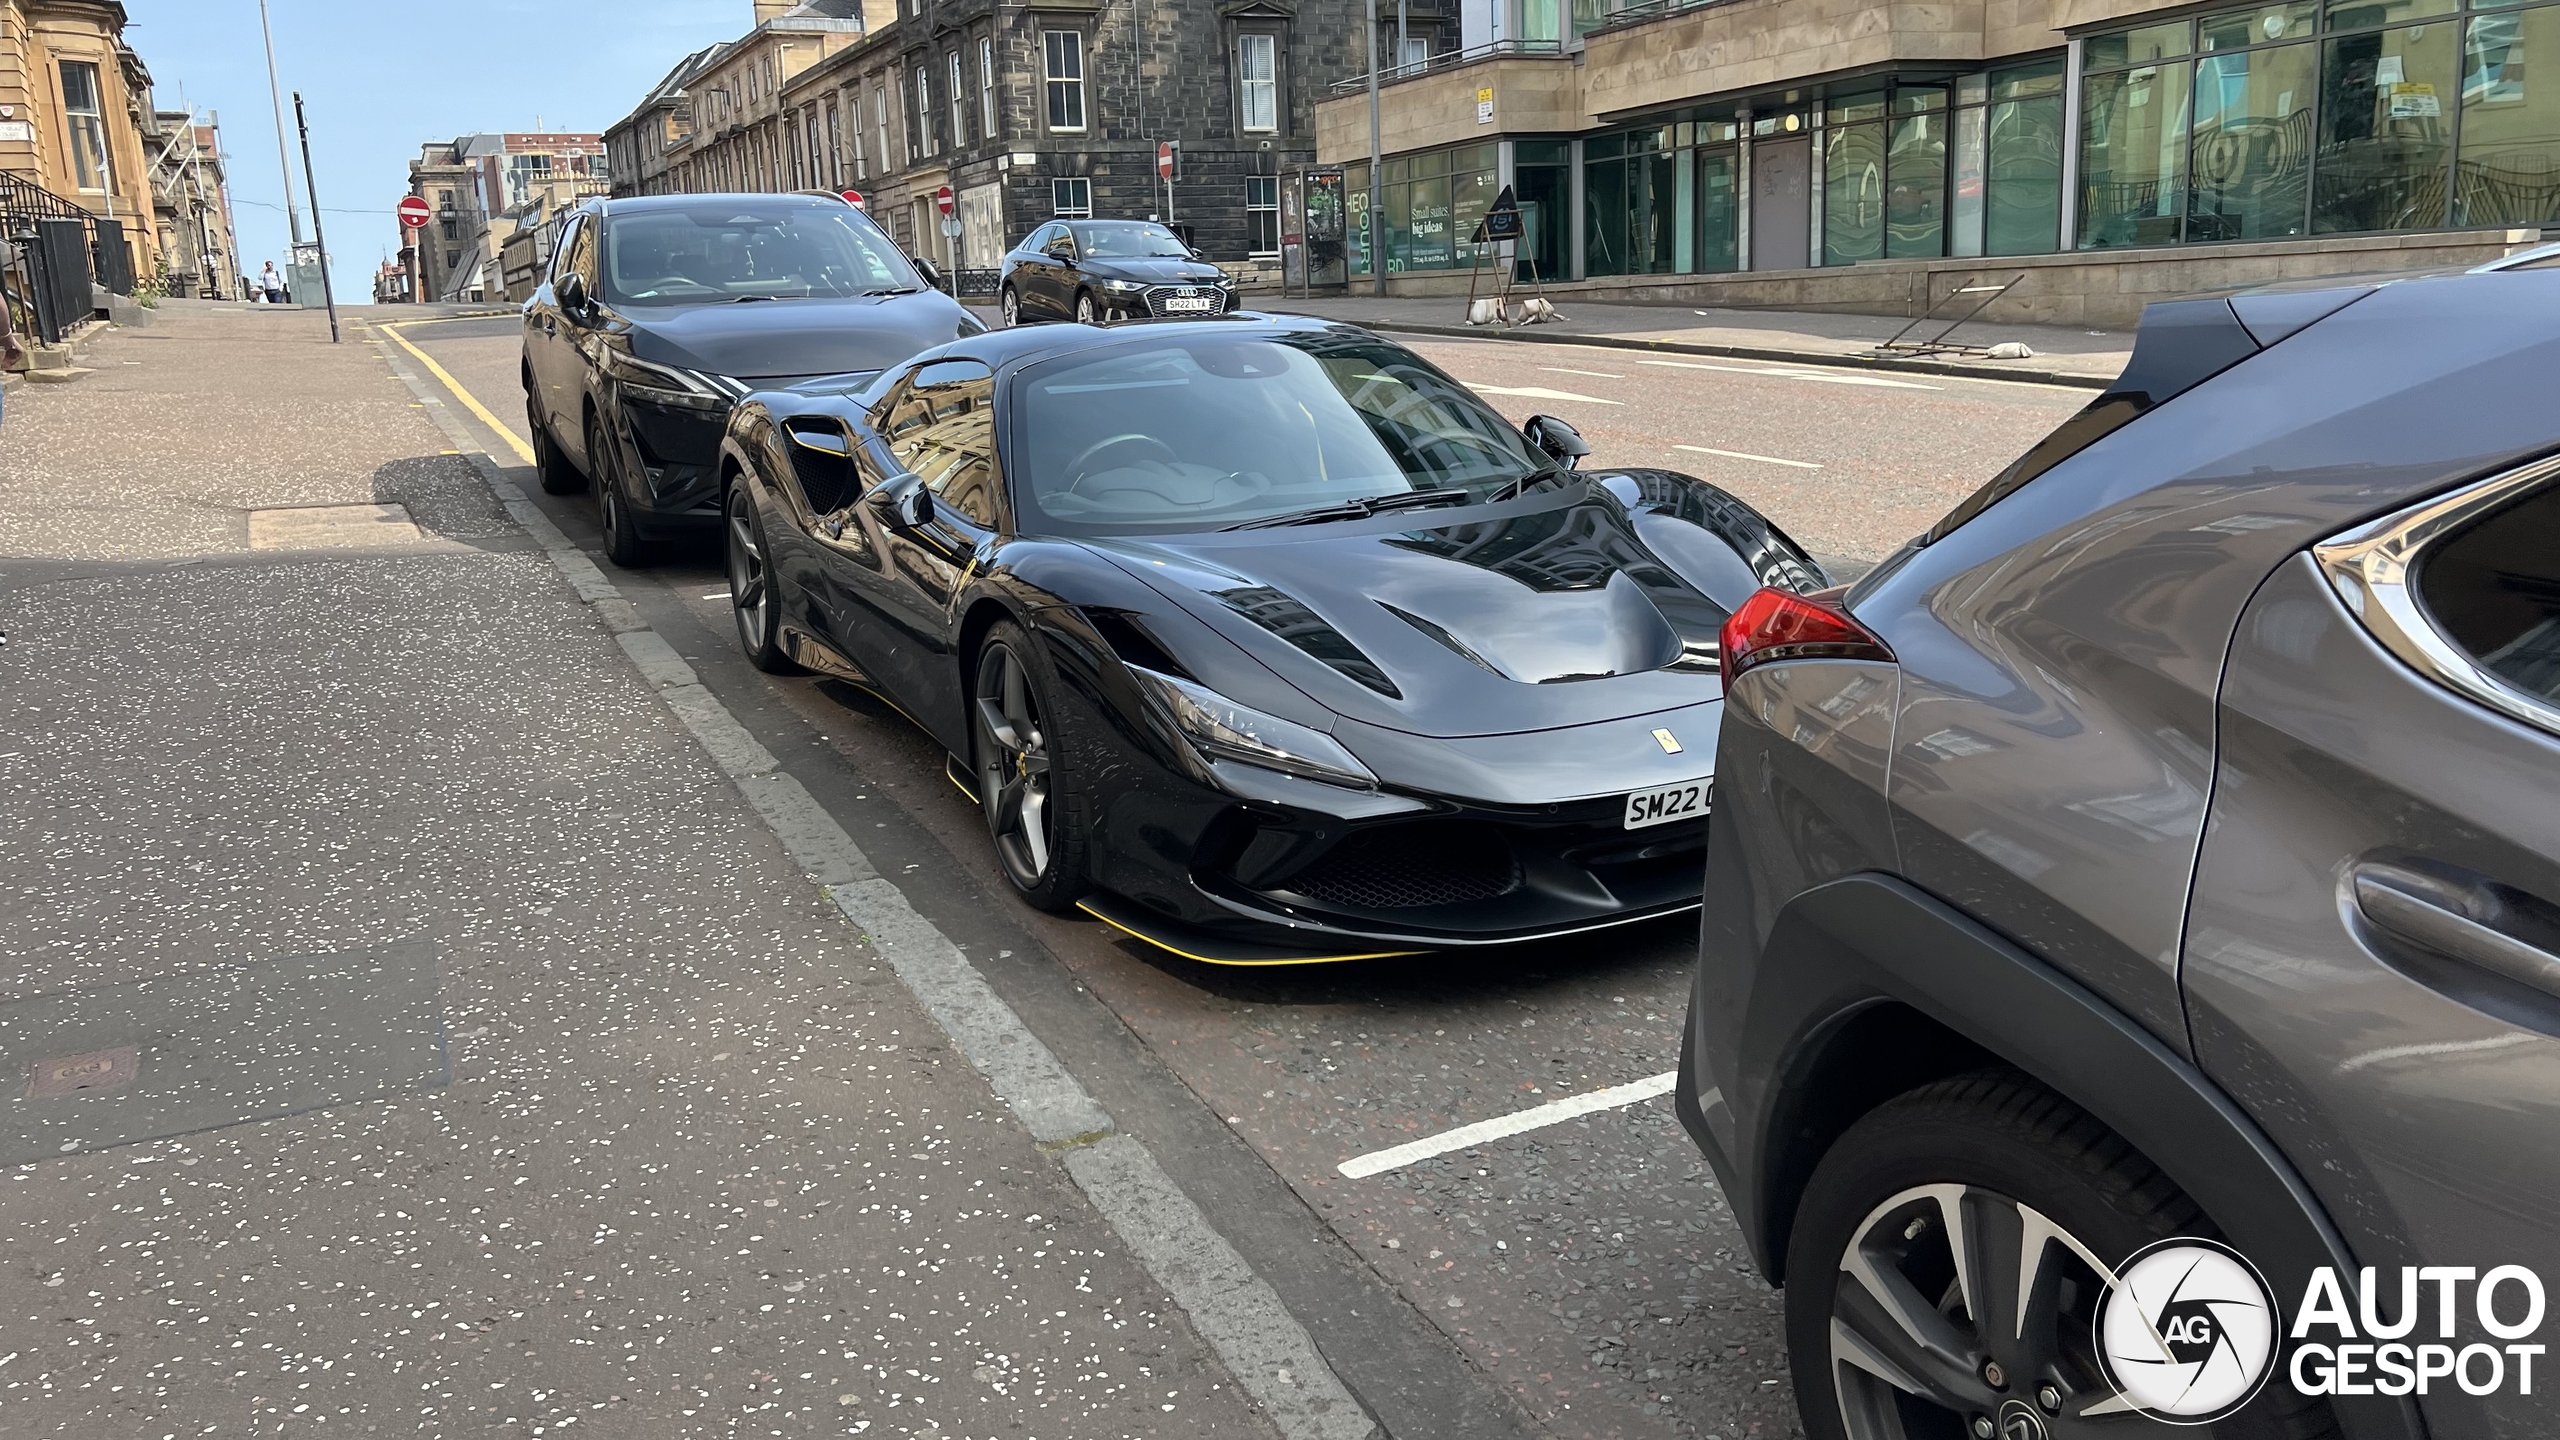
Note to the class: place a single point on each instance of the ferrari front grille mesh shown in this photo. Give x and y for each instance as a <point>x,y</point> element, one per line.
<point>1409,867</point>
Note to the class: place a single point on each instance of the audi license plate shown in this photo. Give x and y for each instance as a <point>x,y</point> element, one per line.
<point>1671,802</point>
<point>1189,304</point>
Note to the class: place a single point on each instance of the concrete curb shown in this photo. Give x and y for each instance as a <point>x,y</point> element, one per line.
<point>1537,336</point>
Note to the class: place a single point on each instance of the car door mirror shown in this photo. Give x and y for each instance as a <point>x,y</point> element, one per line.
<point>572,292</point>
<point>1556,440</point>
<point>931,272</point>
<point>902,502</point>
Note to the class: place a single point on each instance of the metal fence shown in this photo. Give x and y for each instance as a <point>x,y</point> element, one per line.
<point>1450,60</point>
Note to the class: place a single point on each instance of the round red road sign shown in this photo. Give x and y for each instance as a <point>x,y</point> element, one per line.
<point>942,199</point>
<point>854,199</point>
<point>414,212</point>
<point>1164,159</point>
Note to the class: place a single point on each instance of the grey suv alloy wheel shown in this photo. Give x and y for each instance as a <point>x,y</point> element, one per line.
<point>1947,1263</point>
<point>622,542</point>
<point>551,469</point>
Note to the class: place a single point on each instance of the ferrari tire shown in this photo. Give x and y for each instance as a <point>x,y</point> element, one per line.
<point>1028,770</point>
<point>754,601</point>
<point>550,468</point>
<point>1999,1157</point>
<point>623,544</point>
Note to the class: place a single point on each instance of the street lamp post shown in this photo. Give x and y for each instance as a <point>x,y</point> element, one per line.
<point>284,159</point>
<point>1377,226</point>
<point>319,236</point>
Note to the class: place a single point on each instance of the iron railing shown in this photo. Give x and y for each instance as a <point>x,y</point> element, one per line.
<point>1643,10</point>
<point>1451,60</point>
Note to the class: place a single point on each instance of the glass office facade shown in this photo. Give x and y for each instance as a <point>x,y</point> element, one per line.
<point>2304,118</point>
<point>1433,200</point>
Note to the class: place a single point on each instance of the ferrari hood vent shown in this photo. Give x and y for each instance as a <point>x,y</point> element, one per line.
<point>1575,635</point>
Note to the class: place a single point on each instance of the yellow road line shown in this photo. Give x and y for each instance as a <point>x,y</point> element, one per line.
<point>523,451</point>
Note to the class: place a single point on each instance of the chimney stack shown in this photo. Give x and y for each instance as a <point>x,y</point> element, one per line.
<point>773,9</point>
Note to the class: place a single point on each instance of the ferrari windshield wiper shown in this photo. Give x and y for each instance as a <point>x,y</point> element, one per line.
<point>1360,509</point>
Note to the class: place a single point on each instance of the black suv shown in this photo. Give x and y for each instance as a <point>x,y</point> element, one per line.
<point>2160,857</point>
<point>659,313</point>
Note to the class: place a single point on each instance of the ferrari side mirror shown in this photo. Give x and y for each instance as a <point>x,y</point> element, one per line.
<point>903,502</point>
<point>1556,440</point>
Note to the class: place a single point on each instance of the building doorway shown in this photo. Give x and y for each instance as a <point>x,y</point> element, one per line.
<point>1781,198</point>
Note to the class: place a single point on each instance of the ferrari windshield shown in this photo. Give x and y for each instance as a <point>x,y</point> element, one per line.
<point>1128,240</point>
<point>1204,432</point>
<point>744,249</point>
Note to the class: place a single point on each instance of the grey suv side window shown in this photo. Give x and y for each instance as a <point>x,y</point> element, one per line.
<point>2493,588</point>
<point>562,260</point>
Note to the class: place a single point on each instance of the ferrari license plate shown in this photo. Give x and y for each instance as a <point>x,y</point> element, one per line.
<point>1671,802</point>
<point>1189,304</point>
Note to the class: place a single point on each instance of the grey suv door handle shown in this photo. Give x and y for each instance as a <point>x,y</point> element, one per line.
<point>2400,909</point>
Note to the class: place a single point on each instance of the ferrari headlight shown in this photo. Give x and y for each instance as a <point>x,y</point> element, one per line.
<point>1219,727</point>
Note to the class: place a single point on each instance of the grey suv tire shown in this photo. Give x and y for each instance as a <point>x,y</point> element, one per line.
<point>1995,1153</point>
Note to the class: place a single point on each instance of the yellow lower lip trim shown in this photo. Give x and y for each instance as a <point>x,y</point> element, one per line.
<point>1213,960</point>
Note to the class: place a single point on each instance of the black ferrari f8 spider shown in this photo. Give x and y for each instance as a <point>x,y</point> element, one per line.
<point>1260,638</point>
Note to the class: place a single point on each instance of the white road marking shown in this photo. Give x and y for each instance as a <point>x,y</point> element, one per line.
<point>715,594</point>
<point>1378,1162</point>
<point>1538,392</point>
<point>1819,376</point>
<point>1236,1311</point>
<point>1567,370</point>
<point>1747,455</point>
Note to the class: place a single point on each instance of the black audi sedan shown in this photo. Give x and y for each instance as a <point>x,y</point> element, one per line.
<point>1260,638</point>
<point>1095,270</point>
<point>659,313</point>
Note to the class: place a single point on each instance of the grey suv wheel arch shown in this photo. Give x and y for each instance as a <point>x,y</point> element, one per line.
<point>1882,987</point>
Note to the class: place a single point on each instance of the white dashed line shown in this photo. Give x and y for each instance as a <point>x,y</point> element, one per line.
<point>1818,376</point>
<point>1538,392</point>
<point>1594,374</point>
<point>1747,455</point>
<point>1378,1162</point>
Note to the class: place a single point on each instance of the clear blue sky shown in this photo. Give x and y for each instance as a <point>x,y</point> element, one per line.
<point>380,78</point>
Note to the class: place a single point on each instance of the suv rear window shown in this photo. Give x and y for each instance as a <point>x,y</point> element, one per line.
<point>2493,588</point>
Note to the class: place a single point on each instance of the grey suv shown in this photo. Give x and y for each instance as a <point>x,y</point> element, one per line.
<point>2168,844</point>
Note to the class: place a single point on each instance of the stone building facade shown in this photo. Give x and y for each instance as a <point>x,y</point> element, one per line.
<point>75,107</point>
<point>479,190</point>
<point>1026,112</point>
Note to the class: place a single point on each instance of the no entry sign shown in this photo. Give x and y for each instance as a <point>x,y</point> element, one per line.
<point>942,199</point>
<point>414,213</point>
<point>1167,155</point>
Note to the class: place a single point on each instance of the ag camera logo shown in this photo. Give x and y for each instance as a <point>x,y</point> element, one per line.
<point>2187,1333</point>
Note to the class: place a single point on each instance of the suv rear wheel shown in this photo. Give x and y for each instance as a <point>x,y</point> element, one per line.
<point>1947,1263</point>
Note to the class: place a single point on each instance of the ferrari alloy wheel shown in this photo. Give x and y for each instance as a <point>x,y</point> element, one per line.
<point>1947,1265</point>
<point>622,542</point>
<point>1086,314</point>
<point>1011,304</point>
<point>550,468</point>
<point>1024,781</point>
<point>752,601</point>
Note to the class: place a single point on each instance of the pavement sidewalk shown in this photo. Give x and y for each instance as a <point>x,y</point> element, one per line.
<point>463,1047</point>
<point>2063,356</point>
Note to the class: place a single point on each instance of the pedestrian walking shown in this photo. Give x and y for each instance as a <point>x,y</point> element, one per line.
<point>271,281</point>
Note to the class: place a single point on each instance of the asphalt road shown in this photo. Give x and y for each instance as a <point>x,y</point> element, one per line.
<point>1586,1270</point>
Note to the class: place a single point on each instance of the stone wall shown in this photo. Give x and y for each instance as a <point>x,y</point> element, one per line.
<point>2103,288</point>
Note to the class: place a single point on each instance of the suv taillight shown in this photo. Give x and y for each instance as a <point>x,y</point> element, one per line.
<point>1783,625</point>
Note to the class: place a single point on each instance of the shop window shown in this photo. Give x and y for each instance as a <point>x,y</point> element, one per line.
<point>80,107</point>
<point>1062,59</point>
<point>2252,165</point>
<point>2022,164</point>
<point>1853,194</point>
<point>1915,199</point>
<point>2133,156</point>
<point>2386,136</point>
<point>2510,133</point>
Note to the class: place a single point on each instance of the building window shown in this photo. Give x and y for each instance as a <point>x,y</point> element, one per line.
<point>2255,126</point>
<point>1262,214</point>
<point>835,144</point>
<point>88,129</point>
<point>959,105</point>
<point>880,120</point>
<point>920,143</point>
<point>1433,202</point>
<point>1071,197</point>
<point>988,129</point>
<point>1258,80</point>
<point>1062,67</point>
